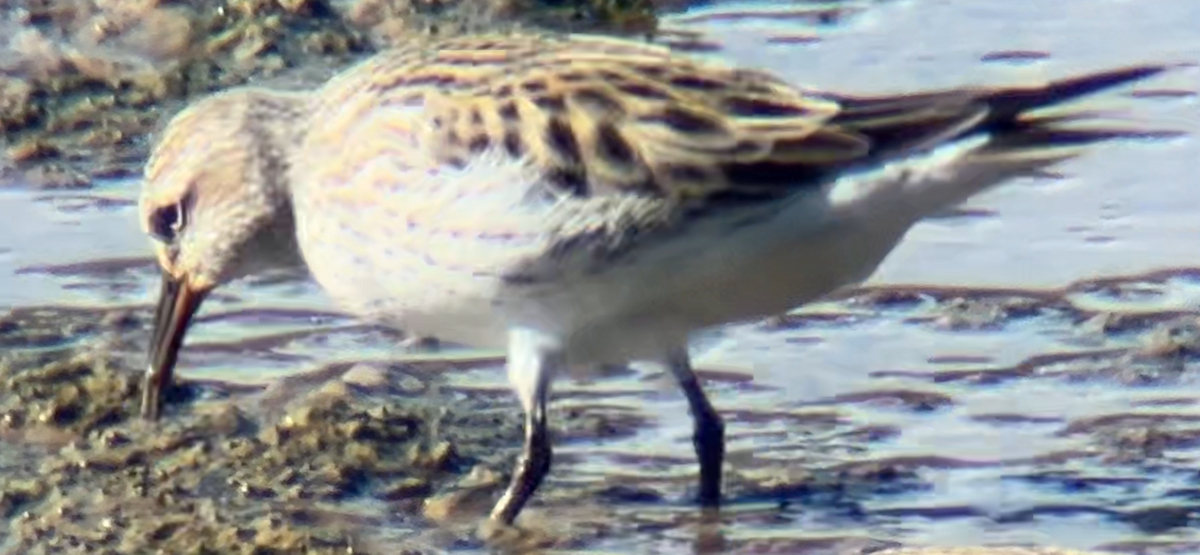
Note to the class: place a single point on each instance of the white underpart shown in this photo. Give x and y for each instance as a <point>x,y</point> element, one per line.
<point>448,285</point>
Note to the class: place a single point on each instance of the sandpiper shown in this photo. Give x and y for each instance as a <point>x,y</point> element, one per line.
<point>577,200</point>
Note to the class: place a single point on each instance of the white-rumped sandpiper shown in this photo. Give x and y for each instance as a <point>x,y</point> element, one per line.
<point>578,200</point>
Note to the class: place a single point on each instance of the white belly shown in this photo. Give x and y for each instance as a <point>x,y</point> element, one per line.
<point>707,279</point>
<point>396,284</point>
<point>630,312</point>
<point>431,259</point>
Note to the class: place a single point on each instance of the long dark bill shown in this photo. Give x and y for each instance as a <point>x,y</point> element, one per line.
<point>176,305</point>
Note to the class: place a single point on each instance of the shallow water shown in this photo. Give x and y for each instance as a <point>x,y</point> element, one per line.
<point>1004,455</point>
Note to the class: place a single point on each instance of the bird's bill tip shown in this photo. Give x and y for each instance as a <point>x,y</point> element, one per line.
<point>178,301</point>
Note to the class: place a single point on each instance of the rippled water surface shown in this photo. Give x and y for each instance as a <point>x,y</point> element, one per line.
<point>1036,374</point>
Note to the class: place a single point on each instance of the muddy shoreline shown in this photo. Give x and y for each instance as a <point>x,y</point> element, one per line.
<point>377,456</point>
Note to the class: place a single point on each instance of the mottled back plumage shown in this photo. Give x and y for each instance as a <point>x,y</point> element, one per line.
<point>604,116</point>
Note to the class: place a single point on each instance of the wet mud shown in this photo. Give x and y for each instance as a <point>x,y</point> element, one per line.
<point>375,456</point>
<point>329,461</point>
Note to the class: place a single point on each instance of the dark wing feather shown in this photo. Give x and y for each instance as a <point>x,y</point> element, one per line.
<point>606,116</point>
<point>895,125</point>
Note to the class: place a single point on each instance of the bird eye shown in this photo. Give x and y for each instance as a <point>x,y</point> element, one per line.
<point>167,222</point>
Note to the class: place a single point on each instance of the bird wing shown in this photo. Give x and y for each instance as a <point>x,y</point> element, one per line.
<point>602,116</point>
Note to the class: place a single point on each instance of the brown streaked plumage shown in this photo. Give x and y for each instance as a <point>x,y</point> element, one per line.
<point>578,200</point>
<point>611,115</point>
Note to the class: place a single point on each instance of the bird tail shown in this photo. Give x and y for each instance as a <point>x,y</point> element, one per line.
<point>999,133</point>
<point>1019,126</point>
